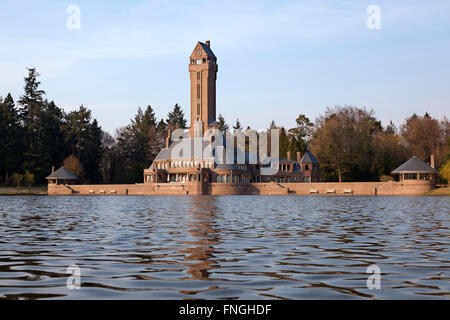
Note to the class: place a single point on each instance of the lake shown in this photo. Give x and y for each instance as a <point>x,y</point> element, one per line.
<point>225,247</point>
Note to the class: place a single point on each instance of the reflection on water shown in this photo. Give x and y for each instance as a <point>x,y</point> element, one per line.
<point>231,247</point>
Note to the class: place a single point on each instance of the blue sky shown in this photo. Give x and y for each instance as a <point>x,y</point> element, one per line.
<point>276,59</point>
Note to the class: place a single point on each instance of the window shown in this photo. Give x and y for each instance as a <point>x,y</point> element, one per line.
<point>198,108</point>
<point>199,61</point>
<point>425,176</point>
<point>198,91</point>
<point>306,167</point>
<point>410,176</point>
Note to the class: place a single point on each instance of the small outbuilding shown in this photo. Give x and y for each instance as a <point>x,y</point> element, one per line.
<point>310,167</point>
<point>61,176</point>
<point>416,170</point>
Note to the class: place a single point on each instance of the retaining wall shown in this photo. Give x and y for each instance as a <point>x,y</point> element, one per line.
<point>197,188</point>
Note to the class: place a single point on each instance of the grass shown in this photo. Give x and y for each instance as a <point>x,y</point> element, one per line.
<point>439,191</point>
<point>9,191</point>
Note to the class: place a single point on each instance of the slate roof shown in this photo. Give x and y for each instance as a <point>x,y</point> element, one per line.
<point>227,167</point>
<point>207,49</point>
<point>185,146</point>
<point>176,151</point>
<point>62,174</point>
<point>309,158</point>
<point>414,165</point>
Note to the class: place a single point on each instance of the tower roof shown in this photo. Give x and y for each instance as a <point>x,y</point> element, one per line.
<point>415,165</point>
<point>206,49</point>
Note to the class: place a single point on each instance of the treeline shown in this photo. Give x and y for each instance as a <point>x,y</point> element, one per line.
<point>35,134</point>
<point>350,143</point>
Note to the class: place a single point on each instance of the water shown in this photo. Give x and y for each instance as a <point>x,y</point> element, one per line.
<point>229,247</point>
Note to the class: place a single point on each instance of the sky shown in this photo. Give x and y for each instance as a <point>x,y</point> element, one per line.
<point>277,59</point>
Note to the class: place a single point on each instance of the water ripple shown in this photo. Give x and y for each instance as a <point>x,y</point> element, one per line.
<point>230,247</point>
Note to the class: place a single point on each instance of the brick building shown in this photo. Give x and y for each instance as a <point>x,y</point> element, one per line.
<point>194,154</point>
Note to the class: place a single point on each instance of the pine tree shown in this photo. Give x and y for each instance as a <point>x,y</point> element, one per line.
<point>391,128</point>
<point>222,125</point>
<point>83,137</point>
<point>175,119</point>
<point>52,134</point>
<point>31,114</point>
<point>11,146</point>
<point>161,134</point>
<point>273,125</point>
<point>237,127</point>
<point>284,143</point>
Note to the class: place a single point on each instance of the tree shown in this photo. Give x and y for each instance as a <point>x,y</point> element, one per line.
<point>390,152</point>
<point>32,119</point>
<point>237,127</point>
<point>108,158</point>
<point>125,151</point>
<point>344,144</point>
<point>161,134</point>
<point>299,136</point>
<point>284,143</point>
<point>83,137</point>
<point>138,144</point>
<point>175,119</point>
<point>52,134</point>
<point>391,128</point>
<point>222,125</point>
<point>11,146</point>
<point>74,165</point>
<point>424,136</point>
<point>445,172</point>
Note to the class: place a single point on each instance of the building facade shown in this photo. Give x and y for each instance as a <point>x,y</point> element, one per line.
<point>180,161</point>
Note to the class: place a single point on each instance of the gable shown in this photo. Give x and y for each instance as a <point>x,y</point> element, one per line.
<point>201,50</point>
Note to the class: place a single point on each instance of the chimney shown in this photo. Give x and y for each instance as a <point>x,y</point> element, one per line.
<point>432,164</point>
<point>208,43</point>
<point>299,156</point>
<point>53,169</point>
<point>168,138</point>
<point>289,155</point>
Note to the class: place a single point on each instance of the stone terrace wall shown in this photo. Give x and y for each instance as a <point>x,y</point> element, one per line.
<point>197,188</point>
<point>361,188</point>
<point>123,189</point>
<point>249,188</point>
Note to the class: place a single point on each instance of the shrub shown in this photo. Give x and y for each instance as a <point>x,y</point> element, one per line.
<point>385,178</point>
<point>445,171</point>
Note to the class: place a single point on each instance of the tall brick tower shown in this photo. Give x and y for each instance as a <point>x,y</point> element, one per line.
<point>203,72</point>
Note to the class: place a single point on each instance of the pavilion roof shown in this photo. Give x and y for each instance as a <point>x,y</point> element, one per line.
<point>63,174</point>
<point>414,165</point>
